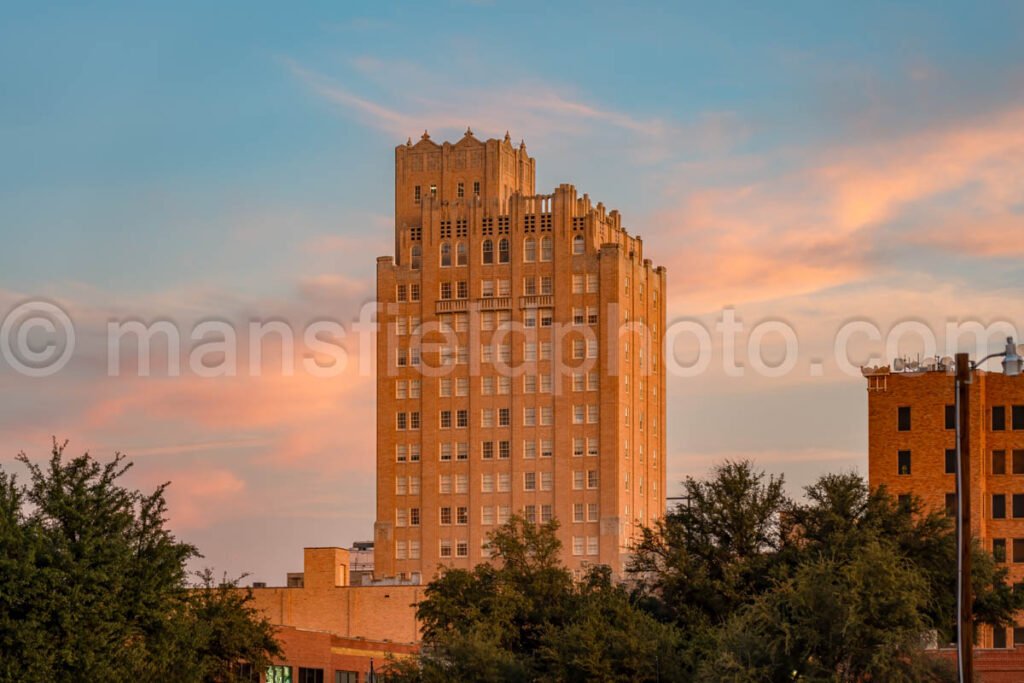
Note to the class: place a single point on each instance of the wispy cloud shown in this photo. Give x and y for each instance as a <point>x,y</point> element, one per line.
<point>416,99</point>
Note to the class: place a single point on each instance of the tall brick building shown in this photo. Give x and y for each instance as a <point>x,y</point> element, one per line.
<point>912,451</point>
<point>519,365</point>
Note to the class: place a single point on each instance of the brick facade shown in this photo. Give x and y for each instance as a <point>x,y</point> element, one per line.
<point>519,367</point>
<point>327,624</point>
<point>924,442</point>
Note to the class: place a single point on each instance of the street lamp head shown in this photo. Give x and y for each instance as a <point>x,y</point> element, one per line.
<point>1012,362</point>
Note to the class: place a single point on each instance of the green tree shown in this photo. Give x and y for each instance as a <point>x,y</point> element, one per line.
<point>834,620</point>
<point>522,617</point>
<point>719,550</point>
<point>93,586</point>
<point>841,515</point>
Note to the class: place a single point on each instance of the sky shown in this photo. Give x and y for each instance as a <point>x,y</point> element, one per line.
<point>808,165</point>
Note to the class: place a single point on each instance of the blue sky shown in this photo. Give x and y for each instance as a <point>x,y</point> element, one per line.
<point>807,162</point>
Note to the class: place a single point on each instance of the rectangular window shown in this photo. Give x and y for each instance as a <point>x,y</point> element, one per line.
<point>461,419</point>
<point>1018,550</point>
<point>486,386</point>
<point>530,513</point>
<point>446,419</point>
<point>504,417</point>
<point>951,417</point>
<point>414,516</point>
<point>592,545</point>
<point>950,461</point>
<point>546,513</point>
<point>577,284</point>
<point>487,483</point>
<point>504,450</point>
<point>529,481</point>
<point>401,453</point>
<point>462,548</point>
<point>591,512</point>
<point>1018,462</point>
<point>446,452</point>
<point>529,449</point>
<point>998,506</point>
<point>487,514</point>
<point>903,462</point>
<point>462,451</point>
<point>999,551</point>
<point>547,480</point>
<point>577,545</point>
<point>546,448</point>
<point>446,549</point>
<point>591,479</point>
<point>903,419</point>
<point>461,190</point>
<point>950,504</point>
<point>446,516</point>
<point>414,486</point>
<point>462,386</point>
<point>999,637</point>
<point>444,483</point>
<point>504,483</point>
<point>461,483</point>
<point>1018,505</point>
<point>504,512</point>
<point>577,480</point>
<point>1018,418</point>
<point>998,418</point>
<point>487,450</point>
<point>462,515</point>
<point>577,512</point>
<point>998,462</point>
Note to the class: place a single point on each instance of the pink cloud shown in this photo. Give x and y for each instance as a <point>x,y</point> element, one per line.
<point>820,224</point>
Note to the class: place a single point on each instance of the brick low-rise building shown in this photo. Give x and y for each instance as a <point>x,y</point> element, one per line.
<point>912,451</point>
<point>331,630</point>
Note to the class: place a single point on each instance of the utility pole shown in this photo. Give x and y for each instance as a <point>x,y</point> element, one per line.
<point>965,603</point>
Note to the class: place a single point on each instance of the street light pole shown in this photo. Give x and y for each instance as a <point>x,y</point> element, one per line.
<point>964,603</point>
<point>1013,364</point>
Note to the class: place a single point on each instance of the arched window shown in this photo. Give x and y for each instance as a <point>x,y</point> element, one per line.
<point>488,252</point>
<point>446,254</point>
<point>503,251</point>
<point>529,250</point>
<point>545,248</point>
<point>461,256</point>
<point>417,254</point>
<point>577,244</point>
